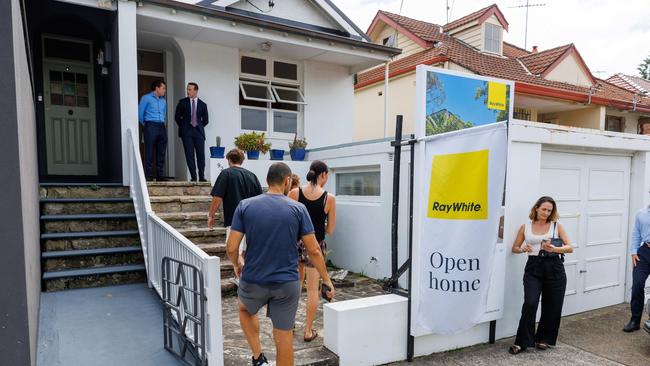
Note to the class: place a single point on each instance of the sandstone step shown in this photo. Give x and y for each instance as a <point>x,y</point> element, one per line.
<point>88,223</point>
<point>214,249</point>
<point>186,220</point>
<point>83,191</point>
<point>69,206</point>
<point>228,287</point>
<point>92,261</point>
<point>82,243</point>
<point>88,234</point>
<point>204,235</point>
<point>94,277</point>
<point>180,203</point>
<point>179,189</point>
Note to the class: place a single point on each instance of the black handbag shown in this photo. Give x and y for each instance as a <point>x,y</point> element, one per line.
<point>555,241</point>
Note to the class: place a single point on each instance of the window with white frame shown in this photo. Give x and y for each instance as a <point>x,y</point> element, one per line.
<point>492,38</point>
<point>358,183</point>
<point>270,96</point>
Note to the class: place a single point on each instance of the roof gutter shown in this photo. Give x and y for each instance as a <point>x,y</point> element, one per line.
<point>393,74</point>
<point>577,97</point>
<point>271,25</point>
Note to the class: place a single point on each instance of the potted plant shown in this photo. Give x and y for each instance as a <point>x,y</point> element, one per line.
<point>297,148</point>
<point>217,151</point>
<point>277,154</point>
<point>253,143</point>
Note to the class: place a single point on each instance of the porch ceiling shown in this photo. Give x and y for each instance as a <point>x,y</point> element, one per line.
<point>546,105</point>
<point>158,21</point>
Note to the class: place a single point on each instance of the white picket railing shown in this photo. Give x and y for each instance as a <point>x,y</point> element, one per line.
<point>160,240</point>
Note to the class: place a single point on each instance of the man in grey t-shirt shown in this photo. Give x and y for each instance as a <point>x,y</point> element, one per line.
<point>272,224</point>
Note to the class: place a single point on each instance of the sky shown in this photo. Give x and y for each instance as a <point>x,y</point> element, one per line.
<point>611,36</point>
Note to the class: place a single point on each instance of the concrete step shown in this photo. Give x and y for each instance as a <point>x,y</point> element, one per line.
<point>71,206</point>
<point>94,277</point>
<point>88,223</point>
<point>157,189</point>
<point>186,220</point>
<point>180,203</point>
<point>204,235</point>
<point>83,191</point>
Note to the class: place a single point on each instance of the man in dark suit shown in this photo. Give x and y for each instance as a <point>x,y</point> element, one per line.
<point>191,118</point>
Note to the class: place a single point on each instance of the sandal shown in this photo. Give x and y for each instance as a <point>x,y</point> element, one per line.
<point>541,346</point>
<point>314,335</point>
<point>515,349</point>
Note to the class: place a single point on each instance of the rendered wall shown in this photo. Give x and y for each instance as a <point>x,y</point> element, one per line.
<point>406,44</point>
<point>589,117</point>
<point>369,108</point>
<point>569,71</point>
<point>19,262</point>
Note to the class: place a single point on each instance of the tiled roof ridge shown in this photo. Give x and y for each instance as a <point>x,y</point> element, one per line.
<point>391,15</point>
<point>545,52</point>
<point>467,18</point>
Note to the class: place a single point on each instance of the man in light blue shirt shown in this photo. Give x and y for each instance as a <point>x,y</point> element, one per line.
<point>152,113</point>
<point>640,251</point>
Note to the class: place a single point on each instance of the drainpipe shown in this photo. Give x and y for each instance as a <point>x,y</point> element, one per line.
<point>386,69</point>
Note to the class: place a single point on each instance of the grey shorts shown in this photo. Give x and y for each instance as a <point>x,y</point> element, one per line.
<point>281,300</point>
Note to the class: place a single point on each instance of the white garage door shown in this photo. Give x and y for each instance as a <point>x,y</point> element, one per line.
<point>592,193</point>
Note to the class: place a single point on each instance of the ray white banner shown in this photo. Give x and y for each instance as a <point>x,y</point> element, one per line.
<point>459,188</point>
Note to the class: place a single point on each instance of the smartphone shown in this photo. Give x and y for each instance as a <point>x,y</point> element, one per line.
<point>324,291</point>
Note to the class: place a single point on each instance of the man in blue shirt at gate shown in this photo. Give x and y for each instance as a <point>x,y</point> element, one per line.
<point>152,113</point>
<point>273,223</point>
<point>640,251</point>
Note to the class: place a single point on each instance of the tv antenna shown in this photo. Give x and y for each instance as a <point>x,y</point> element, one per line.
<point>528,5</point>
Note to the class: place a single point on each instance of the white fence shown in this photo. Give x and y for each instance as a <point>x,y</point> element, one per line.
<point>160,240</point>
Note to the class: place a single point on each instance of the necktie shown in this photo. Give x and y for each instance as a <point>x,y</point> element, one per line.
<point>193,121</point>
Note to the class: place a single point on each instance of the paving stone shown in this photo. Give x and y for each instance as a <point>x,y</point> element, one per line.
<point>236,351</point>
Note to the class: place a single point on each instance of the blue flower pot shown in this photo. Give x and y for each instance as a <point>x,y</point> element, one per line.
<point>253,154</point>
<point>217,151</point>
<point>277,154</point>
<point>297,154</point>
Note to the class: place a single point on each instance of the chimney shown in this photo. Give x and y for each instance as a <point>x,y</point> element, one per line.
<point>534,49</point>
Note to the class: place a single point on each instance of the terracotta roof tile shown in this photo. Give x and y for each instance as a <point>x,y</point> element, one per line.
<point>512,51</point>
<point>467,18</point>
<point>422,29</point>
<point>509,67</point>
<point>634,84</point>
<point>538,62</point>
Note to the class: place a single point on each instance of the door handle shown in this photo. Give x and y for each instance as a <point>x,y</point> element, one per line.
<point>583,271</point>
<point>70,112</point>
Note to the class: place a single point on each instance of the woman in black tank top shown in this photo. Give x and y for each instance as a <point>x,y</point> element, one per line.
<point>322,211</point>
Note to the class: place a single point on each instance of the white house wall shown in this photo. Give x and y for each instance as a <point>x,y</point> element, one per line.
<point>295,10</point>
<point>569,71</point>
<point>329,93</point>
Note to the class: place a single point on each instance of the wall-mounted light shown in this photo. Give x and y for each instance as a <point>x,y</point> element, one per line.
<point>266,46</point>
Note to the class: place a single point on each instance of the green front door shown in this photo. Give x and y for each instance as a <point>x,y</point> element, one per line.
<point>70,123</point>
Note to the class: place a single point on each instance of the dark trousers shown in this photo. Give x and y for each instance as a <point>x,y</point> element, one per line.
<point>543,276</point>
<point>194,145</point>
<point>155,135</point>
<point>639,276</point>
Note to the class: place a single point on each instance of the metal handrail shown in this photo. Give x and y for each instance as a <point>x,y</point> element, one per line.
<point>160,240</point>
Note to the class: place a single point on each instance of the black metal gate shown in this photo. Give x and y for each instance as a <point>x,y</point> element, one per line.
<point>183,300</point>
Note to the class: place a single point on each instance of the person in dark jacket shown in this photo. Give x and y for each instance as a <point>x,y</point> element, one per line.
<point>192,117</point>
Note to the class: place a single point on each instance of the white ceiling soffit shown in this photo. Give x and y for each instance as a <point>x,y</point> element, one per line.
<point>224,3</point>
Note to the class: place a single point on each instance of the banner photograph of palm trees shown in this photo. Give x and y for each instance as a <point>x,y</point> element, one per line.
<point>455,102</point>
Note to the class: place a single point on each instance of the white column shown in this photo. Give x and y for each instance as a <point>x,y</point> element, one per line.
<point>128,59</point>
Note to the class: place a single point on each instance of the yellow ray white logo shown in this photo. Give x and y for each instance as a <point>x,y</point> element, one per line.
<point>459,185</point>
